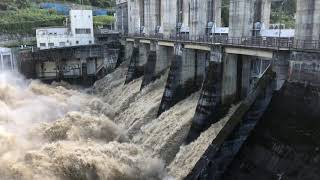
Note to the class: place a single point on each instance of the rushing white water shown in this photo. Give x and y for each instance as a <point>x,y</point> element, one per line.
<point>189,155</point>
<point>58,132</point>
<point>50,132</point>
<point>165,134</point>
<point>114,92</point>
<point>143,108</point>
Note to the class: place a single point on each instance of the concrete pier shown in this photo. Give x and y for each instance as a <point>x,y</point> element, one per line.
<point>169,17</point>
<point>159,60</point>
<point>308,20</point>
<point>244,14</point>
<point>231,146</point>
<point>208,109</point>
<point>229,79</point>
<point>226,145</point>
<point>246,75</point>
<point>185,77</point>
<point>137,62</point>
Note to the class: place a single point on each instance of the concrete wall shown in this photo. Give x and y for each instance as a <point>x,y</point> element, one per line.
<point>198,14</point>
<point>202,12</point>
<point>150,16</point>
<point>308,20</point>
<point>164,58</point>
<point>128,50</point>
<point>229,78</point>
<point>122,17</point>
<point>214,11</point>
<point>169,17</point>
<point>246,75</point>
<point>143,54</point>
<point>304,68</point>
<point>188,65</point>
<point>241,17</point>
<point>134,16</point>
<point>186,13</point>
<point>265,12</point>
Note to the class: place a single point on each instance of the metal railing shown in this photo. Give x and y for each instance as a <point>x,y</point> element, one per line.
<point>257,42</point>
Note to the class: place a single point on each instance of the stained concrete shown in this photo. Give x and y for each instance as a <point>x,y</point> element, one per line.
<point>169,17</point>
<point>128,50</point>
<point>285,144</point>
<point>243,15</point>
<point>229,79</point>
<point>134,16</point>
<point>308,20</point>
<point>246,74</point>
<point>241,18</point>
<point>186,74</point>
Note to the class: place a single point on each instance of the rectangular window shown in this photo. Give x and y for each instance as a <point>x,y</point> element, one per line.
<point>83,31</point>
<point>62,43</point>
<point>42,44</point>
<point>51,44</point>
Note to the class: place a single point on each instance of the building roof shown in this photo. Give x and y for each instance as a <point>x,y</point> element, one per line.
<point>5,50</point>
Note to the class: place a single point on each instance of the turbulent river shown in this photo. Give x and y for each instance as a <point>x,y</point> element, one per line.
<point>61,132</point>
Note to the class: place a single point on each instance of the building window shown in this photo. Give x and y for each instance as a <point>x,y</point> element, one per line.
<point>42,44</point>
<point>83,31</point>
<point>62,43</point>
<point>77,42</point>
<point>90,42</point>
<point>51,44</point>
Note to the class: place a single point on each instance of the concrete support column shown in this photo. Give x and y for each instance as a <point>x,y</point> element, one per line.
<point>183,77</point>
<point>165,55</point>
<point>169,17</point>
<point>159,60</point>
<point>281,67</point>
<point>198,20</point>
<point>229,80</point>
<point>137,62</point>
<point>208,109</point>
<point>134,16</point>
<point>265,13</point>
<point>246,75</point>
<point>150,16</point>
<point>307,20</point>
<point>214,12</point>
<point>143,53</point>
<point>186,13</point>
<point>241,18</point>
<point>128,50</point>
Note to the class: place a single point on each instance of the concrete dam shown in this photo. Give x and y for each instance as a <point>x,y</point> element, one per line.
<point>172,98</point>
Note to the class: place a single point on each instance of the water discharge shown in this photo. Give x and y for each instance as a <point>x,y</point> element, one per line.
<point>60,132</point>
<point>50,132</point>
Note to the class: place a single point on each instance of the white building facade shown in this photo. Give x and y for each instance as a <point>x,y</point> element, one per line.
<point>6,59</point>
<point>79,32</point>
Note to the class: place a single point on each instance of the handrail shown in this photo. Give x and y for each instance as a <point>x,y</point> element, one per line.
<point>259,42</point>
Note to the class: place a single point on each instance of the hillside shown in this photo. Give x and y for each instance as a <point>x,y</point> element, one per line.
<point>24,16</point>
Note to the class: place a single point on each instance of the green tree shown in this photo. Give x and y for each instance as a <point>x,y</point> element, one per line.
<point>21,4</point>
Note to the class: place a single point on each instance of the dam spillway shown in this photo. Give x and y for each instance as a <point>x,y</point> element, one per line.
<point>174,96</point>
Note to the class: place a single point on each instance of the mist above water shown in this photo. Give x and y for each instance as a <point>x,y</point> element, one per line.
<point>58,132</point>
<point>50,132</point>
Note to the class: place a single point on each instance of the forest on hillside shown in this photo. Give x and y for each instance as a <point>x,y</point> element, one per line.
<point>20,4</point>
<point>23,16</point>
